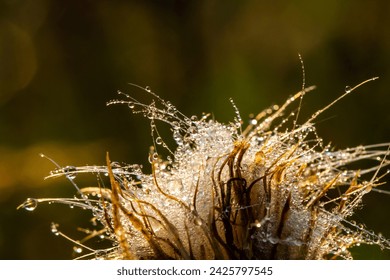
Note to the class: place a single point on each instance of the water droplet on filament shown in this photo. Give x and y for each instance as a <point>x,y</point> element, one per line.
<point>30,204</point>
<point>54,228</point>
<point>198,221</point>
<point>348,89</point>
<point>252,121</point>
<point>159,141</point>
<point>70,172</point>
<point>77,249</point>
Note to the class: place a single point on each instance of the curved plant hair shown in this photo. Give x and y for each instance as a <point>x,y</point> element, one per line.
<point>270,190</point>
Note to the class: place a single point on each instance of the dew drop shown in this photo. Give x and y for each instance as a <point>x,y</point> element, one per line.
<point>192,130</point>
<point>70,169</point>
<point>30,204</point>
<point>77,249</point>
<point>253,121</point>
<point>70,172</point>
<point>148,89</point>
<point>171,110</point>
<point>115,164</point>
<point>175,125</point>
<point>257,224</point>
<point>99,254</point>
<point>150,115</point>
<point>177,137</point>
<point>162,166</point>
<point>54,228</point>
<point>159,141</point>
<point>198,221</point>
<point>368,189</point>
<point>348,89</point>
<point>153,157</point>
<point>259,140</point>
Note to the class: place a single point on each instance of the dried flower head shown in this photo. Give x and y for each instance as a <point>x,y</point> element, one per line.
<point>271,190</point>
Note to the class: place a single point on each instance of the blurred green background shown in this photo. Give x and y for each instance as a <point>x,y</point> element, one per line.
<point>60,61</point>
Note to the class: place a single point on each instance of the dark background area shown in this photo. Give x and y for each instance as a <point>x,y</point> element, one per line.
<point>61,61</point>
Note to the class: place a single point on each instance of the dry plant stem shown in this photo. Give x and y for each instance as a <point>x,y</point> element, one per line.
<point>268,191</point>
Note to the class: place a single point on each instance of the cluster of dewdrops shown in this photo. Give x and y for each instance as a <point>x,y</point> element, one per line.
<point>200,144</point>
